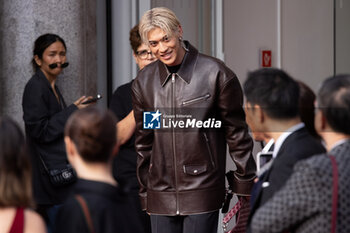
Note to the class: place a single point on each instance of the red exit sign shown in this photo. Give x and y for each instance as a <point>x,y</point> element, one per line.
<point>265,58</point>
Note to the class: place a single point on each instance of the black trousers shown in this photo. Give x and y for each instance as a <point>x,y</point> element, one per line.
<point>197,223</point>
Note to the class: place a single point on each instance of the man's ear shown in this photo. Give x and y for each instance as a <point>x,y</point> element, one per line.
<point>180,31</point>
<point>37,60</point>
<point>324,122</point>
<point>260,113</point>
<point>247,106</point>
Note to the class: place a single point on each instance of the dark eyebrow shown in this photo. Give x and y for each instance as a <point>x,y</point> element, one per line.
<point>57,51</point>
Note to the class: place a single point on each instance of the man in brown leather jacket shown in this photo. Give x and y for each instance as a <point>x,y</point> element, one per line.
<point>187,107</point>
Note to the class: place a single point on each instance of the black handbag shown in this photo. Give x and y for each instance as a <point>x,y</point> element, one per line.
<point>62,176</point>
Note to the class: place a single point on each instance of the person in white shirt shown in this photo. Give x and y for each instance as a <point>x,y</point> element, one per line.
<point>272,100</point>
<point>304,204</point>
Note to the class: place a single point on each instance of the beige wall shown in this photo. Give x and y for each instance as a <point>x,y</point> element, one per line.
<point>306,36</point>
<point>307,40</point>
<point>342,35</point>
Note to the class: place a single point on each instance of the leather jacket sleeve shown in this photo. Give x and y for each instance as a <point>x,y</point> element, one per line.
<point>143,144</point>
<point>236,132</point>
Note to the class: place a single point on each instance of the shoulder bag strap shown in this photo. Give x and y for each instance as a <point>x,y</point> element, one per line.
<point>335,193</point>
<point>235,209</point>
<point>86,212</point>
<point>44,164</point>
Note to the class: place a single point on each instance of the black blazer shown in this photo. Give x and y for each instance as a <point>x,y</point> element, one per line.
<point>124,165</point>
<point>297,146</point>
<point>304,204</point>
<point>107,207</point>
<point>44,119</point>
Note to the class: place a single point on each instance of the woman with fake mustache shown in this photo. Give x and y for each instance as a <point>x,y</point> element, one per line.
<point>45,114</point>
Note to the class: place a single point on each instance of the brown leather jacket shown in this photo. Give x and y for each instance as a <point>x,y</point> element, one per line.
<point>181,169</point>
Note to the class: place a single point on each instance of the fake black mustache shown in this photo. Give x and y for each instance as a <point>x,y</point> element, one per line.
<point>54,65</point>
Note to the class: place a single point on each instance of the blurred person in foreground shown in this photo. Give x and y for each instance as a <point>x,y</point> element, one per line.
<point>15,183</point>
<point>90,137</point>
<point>304,204</point>
<point>307,100</point>
<point>272,101</point>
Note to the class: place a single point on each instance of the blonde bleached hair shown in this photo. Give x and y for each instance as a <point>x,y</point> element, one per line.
<point>159,17</point>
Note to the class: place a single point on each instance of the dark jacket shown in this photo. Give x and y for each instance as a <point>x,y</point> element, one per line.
<point>297,146</point>
<point>107,208</point>
<point>124,165</point>
<point>182,171</point>
<point>44,119</point>
<point>304,204</point>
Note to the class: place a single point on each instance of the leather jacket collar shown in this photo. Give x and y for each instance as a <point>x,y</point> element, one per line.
<point>186,69</point>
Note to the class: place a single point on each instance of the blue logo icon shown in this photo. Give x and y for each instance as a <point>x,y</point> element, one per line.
<point>151,120</point>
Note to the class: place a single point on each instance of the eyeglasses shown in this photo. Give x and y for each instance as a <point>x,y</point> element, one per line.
<point>143,54</point>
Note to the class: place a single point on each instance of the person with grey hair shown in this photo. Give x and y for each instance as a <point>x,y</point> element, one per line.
<point>188,108</point>
<point>310,200</point>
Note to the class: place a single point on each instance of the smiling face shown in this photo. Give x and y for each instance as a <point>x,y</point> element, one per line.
<point>166,48</point>
<point>55,53</point>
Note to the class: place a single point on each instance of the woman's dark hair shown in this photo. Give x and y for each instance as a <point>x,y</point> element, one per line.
<point>93,131</point>
<point>41,43</point>
<point>15,169</point>
<point>135,38</point>
<point>307,100</point>
<point>334,101</point>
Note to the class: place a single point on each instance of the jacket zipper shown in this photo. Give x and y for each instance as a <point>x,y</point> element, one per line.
<point>209,150</point>
<point>174,142</point>
<point>196,99</point>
